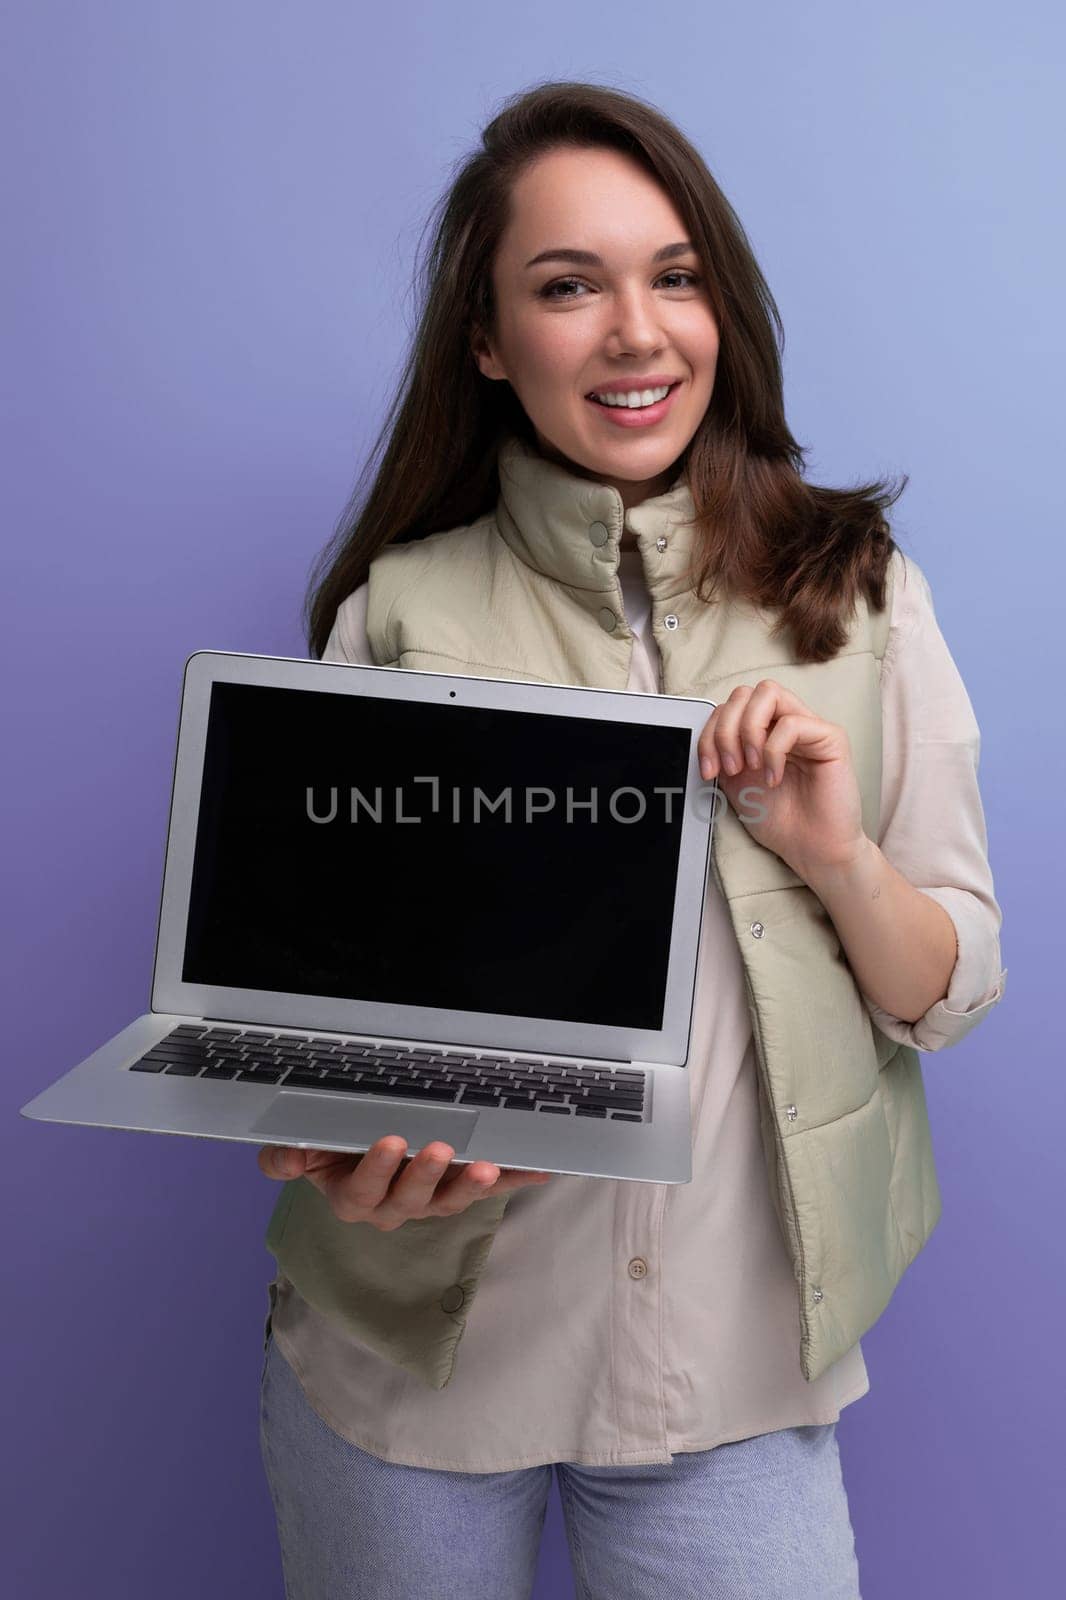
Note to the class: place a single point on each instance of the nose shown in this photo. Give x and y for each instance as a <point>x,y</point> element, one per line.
<point>636,328</point>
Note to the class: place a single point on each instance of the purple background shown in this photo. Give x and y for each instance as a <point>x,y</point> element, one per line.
<point>210,212</point>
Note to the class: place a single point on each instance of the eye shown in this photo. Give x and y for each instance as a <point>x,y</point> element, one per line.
<point>548,292</point>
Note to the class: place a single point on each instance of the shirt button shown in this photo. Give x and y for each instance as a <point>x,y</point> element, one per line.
<point>670,621</point>
<point>452,1298</point>
<point>638,1267</point>
<point>598,534</point>
<point>660,543</point>
<point>757,930</point>
<point>607,619</point>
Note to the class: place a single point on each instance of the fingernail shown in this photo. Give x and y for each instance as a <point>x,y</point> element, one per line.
<point>753,756</point>
<point>729,764</point>
<point>706,767</point>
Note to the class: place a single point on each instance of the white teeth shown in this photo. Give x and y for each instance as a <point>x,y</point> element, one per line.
<point>634,397</point>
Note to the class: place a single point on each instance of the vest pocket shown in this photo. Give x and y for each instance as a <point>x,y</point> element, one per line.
<point>852,1245</point>
<point>393,1292</point>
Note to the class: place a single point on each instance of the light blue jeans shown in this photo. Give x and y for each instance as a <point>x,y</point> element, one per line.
<point>763,1519</point>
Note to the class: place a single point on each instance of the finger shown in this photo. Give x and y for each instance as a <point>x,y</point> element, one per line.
<point>808,736</point>
<point>728,732</point>
<point>511,1178</point>
<point>281,1161</point>
<point>768,702</point>
<point>464,1183</point>
<point>719,744</point>
<point>413,1191</point>
<point>353,1192</point>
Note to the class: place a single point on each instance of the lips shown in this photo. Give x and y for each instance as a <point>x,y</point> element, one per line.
<point>636,416</point>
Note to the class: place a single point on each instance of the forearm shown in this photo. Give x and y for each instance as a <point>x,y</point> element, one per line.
<point>899,943</point>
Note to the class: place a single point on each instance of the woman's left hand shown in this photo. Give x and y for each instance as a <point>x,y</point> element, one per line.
<point>794,771</point>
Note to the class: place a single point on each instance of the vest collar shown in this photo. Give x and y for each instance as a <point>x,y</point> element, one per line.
<point>551,518</point>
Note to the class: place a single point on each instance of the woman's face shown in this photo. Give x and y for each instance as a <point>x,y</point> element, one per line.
<point>566,328</point>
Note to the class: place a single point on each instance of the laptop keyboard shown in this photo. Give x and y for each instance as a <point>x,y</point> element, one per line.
<point>362,1066</point>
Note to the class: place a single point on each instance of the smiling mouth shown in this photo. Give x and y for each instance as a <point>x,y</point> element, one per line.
<point>625,406</point>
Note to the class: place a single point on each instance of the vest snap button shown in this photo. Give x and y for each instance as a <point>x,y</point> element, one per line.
<point>670,621</point>
<point>791,1113</point>
<point>660,543</point>
<point>598,534</point>
<point>607,619</point>
<point>757,930</point>
<point>638,1267</point>
<point>817,1296</point>
<point>452,1298</point>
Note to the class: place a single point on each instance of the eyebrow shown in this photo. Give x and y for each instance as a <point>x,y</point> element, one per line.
<point>585,258</point>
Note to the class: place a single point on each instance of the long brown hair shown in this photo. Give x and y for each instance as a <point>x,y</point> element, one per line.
<point>763,534</point>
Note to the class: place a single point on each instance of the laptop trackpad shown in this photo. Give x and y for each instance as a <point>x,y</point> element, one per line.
<point>296,1118</point>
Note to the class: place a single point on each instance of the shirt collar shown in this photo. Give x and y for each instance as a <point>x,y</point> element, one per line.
<point>569,528</point>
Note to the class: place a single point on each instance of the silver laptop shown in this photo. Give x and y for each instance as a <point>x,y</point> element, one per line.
<point>415,903</point>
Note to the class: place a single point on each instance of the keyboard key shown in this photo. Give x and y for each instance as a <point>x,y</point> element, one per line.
<point>167,1053</point>
<point>415,1091</point>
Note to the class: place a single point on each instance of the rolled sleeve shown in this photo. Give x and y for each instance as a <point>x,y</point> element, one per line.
<point>970,996</point>
<point>932,821</point>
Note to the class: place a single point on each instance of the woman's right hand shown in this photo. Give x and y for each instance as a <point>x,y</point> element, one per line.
<point>365,1187</point>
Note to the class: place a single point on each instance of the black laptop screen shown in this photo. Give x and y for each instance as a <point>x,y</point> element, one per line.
<point>436,855</point>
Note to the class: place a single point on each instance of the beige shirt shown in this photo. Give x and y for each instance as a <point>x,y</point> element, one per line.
<point>619,1322</point>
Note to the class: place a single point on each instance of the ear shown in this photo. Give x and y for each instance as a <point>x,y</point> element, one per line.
<point>483,355</point>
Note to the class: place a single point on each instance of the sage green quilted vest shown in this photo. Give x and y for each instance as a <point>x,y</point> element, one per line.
<point>531,591</point>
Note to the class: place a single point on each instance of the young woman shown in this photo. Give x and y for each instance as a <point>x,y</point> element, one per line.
<point>589,478</point>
